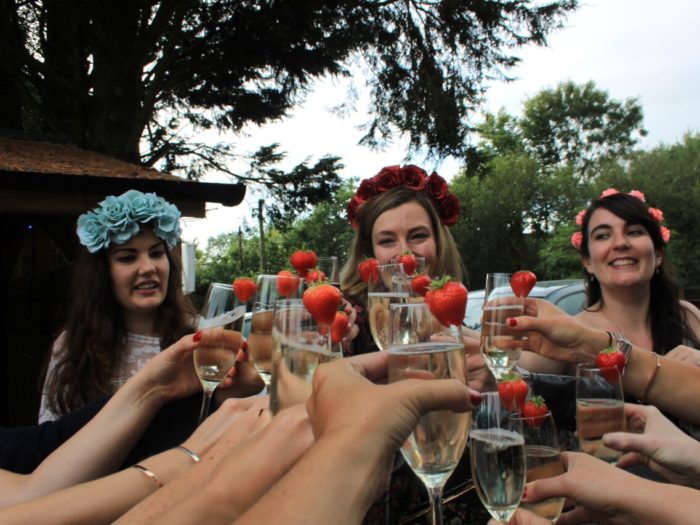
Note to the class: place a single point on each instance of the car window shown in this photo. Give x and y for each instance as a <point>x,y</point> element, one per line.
<point>572,303</point>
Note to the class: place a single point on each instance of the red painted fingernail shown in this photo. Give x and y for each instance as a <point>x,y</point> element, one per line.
<point>475,398</point>
<point>525,493</point>
<point>197,337</point>
<point>244,346</point>
<point>512,321</point>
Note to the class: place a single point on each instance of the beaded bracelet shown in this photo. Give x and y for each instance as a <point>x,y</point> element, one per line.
<point>645,392</point>
<point>149,474</point>
<point>190,453</point>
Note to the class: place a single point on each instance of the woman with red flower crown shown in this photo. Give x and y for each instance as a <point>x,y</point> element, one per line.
<point>404,209</point>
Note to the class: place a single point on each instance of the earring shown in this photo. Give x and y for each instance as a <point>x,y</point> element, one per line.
<point>591,277</point>
<point>658,270</point>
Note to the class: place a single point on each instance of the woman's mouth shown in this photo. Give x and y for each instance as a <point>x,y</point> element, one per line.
<point>621,263</point>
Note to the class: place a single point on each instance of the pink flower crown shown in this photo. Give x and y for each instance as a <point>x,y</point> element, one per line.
<point>656,213</point>
<point>446,205</point>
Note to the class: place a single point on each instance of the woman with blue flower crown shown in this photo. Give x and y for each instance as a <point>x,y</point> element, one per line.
<point>125,302</point>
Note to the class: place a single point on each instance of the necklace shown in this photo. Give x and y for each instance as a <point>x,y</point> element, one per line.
<point>617,328</point>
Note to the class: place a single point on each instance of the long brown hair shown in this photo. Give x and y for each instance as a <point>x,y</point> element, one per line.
<point>669,326</point>
<point>95,330</point>
<point>448,260</point>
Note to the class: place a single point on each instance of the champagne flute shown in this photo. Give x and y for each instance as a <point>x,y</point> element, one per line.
<point>541,458</point>
<point>600,408</point>
<point>260,343</point>
<point>497,457</point>
<point>420,347</point>
<point>301,345</point>
<point>329,267</point>
<point>500,346</point>
<point>213,361</point>
<point>390,288</point>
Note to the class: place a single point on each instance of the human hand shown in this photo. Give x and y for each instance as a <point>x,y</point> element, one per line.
<point>374,420</point>
<point>245,414</point>
<point>655,441</point>
<point>242,380</point>
<point>558,337</point>
<point>684,354</point>
<point>171,372</point>
<point>246,473</point>
<point>353,329</point>
<point>601,493</point>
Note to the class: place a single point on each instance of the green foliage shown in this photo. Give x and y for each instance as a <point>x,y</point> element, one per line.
<point>114,75</point>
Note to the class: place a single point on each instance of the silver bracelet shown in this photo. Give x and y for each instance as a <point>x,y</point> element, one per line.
<point>187,451</point>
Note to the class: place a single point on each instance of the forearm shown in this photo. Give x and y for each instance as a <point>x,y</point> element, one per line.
<point>99,447</point>
<point>99,501</point>
<point>334,482</point>
<point>665,503</point>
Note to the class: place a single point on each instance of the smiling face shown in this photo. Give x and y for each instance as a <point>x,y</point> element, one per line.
<point>620,254</point>
<point>139,269</point>
<point>404,228</point>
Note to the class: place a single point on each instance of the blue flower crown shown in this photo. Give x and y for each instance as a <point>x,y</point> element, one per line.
<point>117,220</point>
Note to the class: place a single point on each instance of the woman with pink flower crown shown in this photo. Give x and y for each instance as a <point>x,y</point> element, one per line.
<point>630,291</point>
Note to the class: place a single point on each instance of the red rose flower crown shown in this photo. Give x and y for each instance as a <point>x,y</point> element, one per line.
<point>656,213</point>
<point>446,205</point>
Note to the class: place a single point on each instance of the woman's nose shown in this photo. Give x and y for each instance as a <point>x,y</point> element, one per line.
<point>146,265</point>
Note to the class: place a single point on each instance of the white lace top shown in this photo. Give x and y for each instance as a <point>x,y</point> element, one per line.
<point>139,350</point>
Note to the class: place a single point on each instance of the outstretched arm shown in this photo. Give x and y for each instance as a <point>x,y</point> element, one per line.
<point>101,446</point>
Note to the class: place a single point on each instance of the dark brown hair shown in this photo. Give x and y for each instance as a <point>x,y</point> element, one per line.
<point>669,326</point>
<point>96,330</point>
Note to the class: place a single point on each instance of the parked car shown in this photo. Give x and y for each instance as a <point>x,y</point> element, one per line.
<point>567,294</point>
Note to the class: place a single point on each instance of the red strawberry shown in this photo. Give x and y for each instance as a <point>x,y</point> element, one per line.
<point>244,288</point>
<point>610,358</point>
<point>368,270</point>
<point>513,388</point>
<point>302,260</point>
<point>322,301</point>
<point>535,410</point>
<point>315,275</point>
<point>420,284</point>
<point>339,327</point>
<point>409,263</point>
<point>287,283</point>
<point>447,300</point>
<point>522,282</point>
<point>505,392</point>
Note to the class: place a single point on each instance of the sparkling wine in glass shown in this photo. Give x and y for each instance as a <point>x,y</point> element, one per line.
<point>541,459</point>
<point>497,457</point>
<point>270,289</point>
<point>420,347</point>
<point>301,346</point>
<point>600,408</point>
<point>329,267</point>
<point>500,346</point>
<point>390,288</point>
<point>216,355</point>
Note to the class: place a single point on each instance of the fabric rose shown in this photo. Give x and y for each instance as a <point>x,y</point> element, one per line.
<point>576,240</point>
<point>414,177</point>
<point>116,213</point>
<point>437,187</point>
<point>366,190</point>
<point>145,207</point>
<point>638,194</point>
<point>579,217</point>
<point>657,214</point>
<point>92,232</point>
<point>665,234</point>
<point>352,211</point>
<point>168,223</point>
<point>608,192</point>
<point>448,209</point>
<point>388,178</point>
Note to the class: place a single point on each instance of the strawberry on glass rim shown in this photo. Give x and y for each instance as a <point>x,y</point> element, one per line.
<point>513,391</point>
<point>535,411</point>
<point>368,269</point>
<point>409,262</point>
<point>609,359</point>
<point>244,288</point>
<point>322,301</point>
<point>287,283</point>
<point>420,284</point>
<point>303,261</point>
<point>522,283</point>
<point>447,301</point>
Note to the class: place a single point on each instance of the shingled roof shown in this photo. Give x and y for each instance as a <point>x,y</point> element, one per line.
<point>38,176</point>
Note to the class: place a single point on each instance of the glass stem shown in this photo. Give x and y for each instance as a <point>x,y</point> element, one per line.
<point>204,411</point>
<point>435,494</point>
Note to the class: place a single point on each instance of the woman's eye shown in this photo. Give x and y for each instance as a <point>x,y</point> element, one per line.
<point>157,254</point>
<point>601,236</point>
<point>386,242</point>
<point>126,259</point>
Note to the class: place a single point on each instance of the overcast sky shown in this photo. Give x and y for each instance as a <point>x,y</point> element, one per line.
<point>630,48</point>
